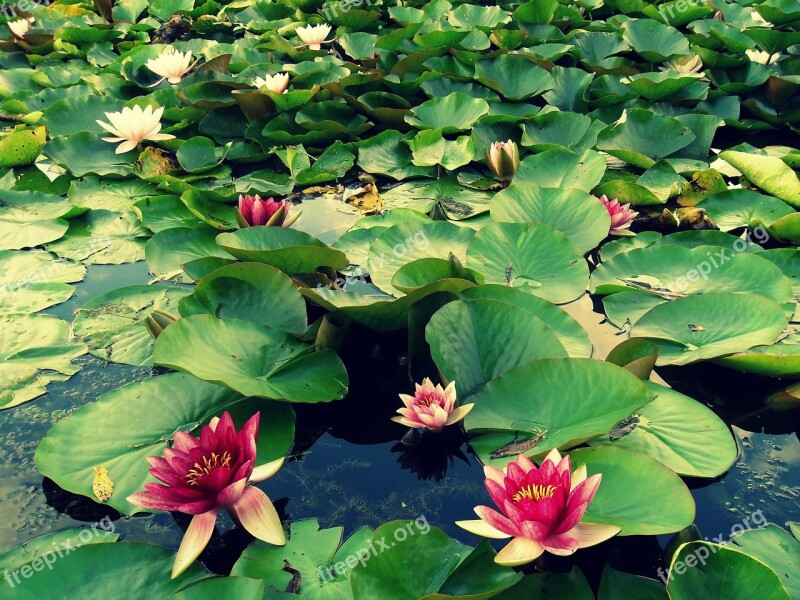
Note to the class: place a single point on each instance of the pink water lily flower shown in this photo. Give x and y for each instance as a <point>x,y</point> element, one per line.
<point>202,475</point>
<point>621,216</point>
<point>541,508</point>
<point>253,211</point>
<point>431,407</point>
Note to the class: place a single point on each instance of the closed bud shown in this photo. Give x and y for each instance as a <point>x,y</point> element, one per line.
<point>158,320</point>
<point>503,159</point>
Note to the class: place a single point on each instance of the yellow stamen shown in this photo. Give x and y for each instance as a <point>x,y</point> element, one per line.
<point>209,465</point>
<point>534,492</point>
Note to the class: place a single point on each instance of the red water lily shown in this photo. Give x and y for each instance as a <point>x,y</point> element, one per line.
<point>431,407</point>
<point>621,216</point>
<point>541,508</point>
<point>203,474</point>
<point>254,211</point>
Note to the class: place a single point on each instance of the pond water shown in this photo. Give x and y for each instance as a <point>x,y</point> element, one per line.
<point>347,471</point>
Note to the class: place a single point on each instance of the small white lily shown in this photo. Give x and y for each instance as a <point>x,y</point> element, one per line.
<point>690,63</point>
<point>171,65</point>
<point>761,57</point>
<point>314,35</point>
<point>20,27</point>
<point>132,126</point>
<point>274,83</point>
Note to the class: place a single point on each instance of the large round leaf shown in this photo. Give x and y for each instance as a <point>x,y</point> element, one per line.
<point>671,271</point>
<point>637,492</point>
<point>31,219</point>
<point>723,573</point>
<point>777,549</point>
<point>34,350</point>
<point>84,153</point>
<point>562,168</point>
<point>251,292</point>
<point>769,173</point>
<point>576,214</point>
<point>533,257</point>
<point>474,342</point>
<point>654,41</point>
<point>452,113</point>
<point>117,196</point>
<point>103,237</point>
<point>131,568</point>
<point>32,281</point>
<point>569,332</point>
<point>566,400</point>
<point>406,242</point>
<point>286,249</point>
<point>781,359</point>
<point>168,250</point>
<point>113,324</point>
<point>710,326</point>
<point>743,208</point>
<point>513,76</point>
<point>124,427</point>
<point>679,432</point>
<point>254,360</point>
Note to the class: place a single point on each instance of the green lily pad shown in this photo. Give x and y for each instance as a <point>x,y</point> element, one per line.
<point>213,588</point>
<point>541,586</point>
<point>33,550</point>
<point>723,572</point>
<point>289,250</point>
<point>533,257</point>
<point>102,237</point>
<point>637,493</point>
<point>781,359</point>
<point>532,400</point>
<point>559,129</point>
<point>616,585</point>
<point>474,342</point>
<point>113,324</point>
<point>642,138</point>
<point>452,113</point>
<point>125,426</point>
<point>406,242</point>
<point>36,350</point>
<point>388,154</point>
<point>31,219</point>
<point>654,41</point>
<point>513,76</point>
<point>557,207</point>
<point>777,549</point>
<point>659,85</point>
<point>562,168</point>
<point>85,153</point>
<point>168,250</point>
<point>455,200</point>
<point>116,196</point>
<point>743,208</point>
<point>32,281</point>
<point>671,271</point>
<point>250,292</point>
<point>569,332</point>
<point>142,570</point>
<point>679,432</point>
<point>707,326</point>
<point>254,360</point>
<point>769,173</point>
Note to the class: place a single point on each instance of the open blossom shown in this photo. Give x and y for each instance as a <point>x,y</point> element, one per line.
<point>691,63</point>
<point>171,65</point>
<point>254,211</point>
<point>503,159</point>
<point>621,216</point>
<point>313,35</point>
<point>132,126</point>
<point>20,27</point>
<point>203,474</point>
<point>274,83</point>
<point>431,407</point>
<point>541,508</point>
<point>761,57</point>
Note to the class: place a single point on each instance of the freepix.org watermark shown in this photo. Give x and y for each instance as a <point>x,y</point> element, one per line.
<point>60,550</point>
<point>11,10</point>
<point>331,10</point>
<point>702,553</point>
<point>362,555</point>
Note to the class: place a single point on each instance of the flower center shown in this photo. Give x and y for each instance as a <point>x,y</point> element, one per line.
<point>427,400</point>
<point>210,464</point>
<point>534,492</point>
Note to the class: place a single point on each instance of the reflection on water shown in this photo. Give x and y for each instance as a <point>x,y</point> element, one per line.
<point>348,467</point>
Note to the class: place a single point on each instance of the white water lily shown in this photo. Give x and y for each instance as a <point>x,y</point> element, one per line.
<point>132,126</point>
<point>314,35</point>
<point>171,65</point>
<point>690,63</point>
<point>761,57</point>
<point>274,83</point>
<point>20,27</point>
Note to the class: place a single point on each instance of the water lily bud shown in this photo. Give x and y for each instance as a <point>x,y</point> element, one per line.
<point>503,159</point>
<point>158,320</point>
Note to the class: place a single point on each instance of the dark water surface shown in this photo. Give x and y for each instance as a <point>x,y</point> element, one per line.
<point>349,469</point>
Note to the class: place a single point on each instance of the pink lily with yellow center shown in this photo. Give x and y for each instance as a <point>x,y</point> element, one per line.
<point>431,407</point>
<point>540,508</point>
<point>203,474</point>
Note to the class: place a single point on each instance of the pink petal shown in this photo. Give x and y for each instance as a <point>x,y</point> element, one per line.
<point>231,493</point>
<point>562,545</point>
<point>497,521</point>
<point>194,541</point>
<point>590,534</point>
<point>255,512</point>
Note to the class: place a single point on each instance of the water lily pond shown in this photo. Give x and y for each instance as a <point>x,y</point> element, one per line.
<point>367,300</point>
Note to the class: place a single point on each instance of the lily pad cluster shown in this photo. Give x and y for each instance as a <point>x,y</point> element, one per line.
<point>472,153</point>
